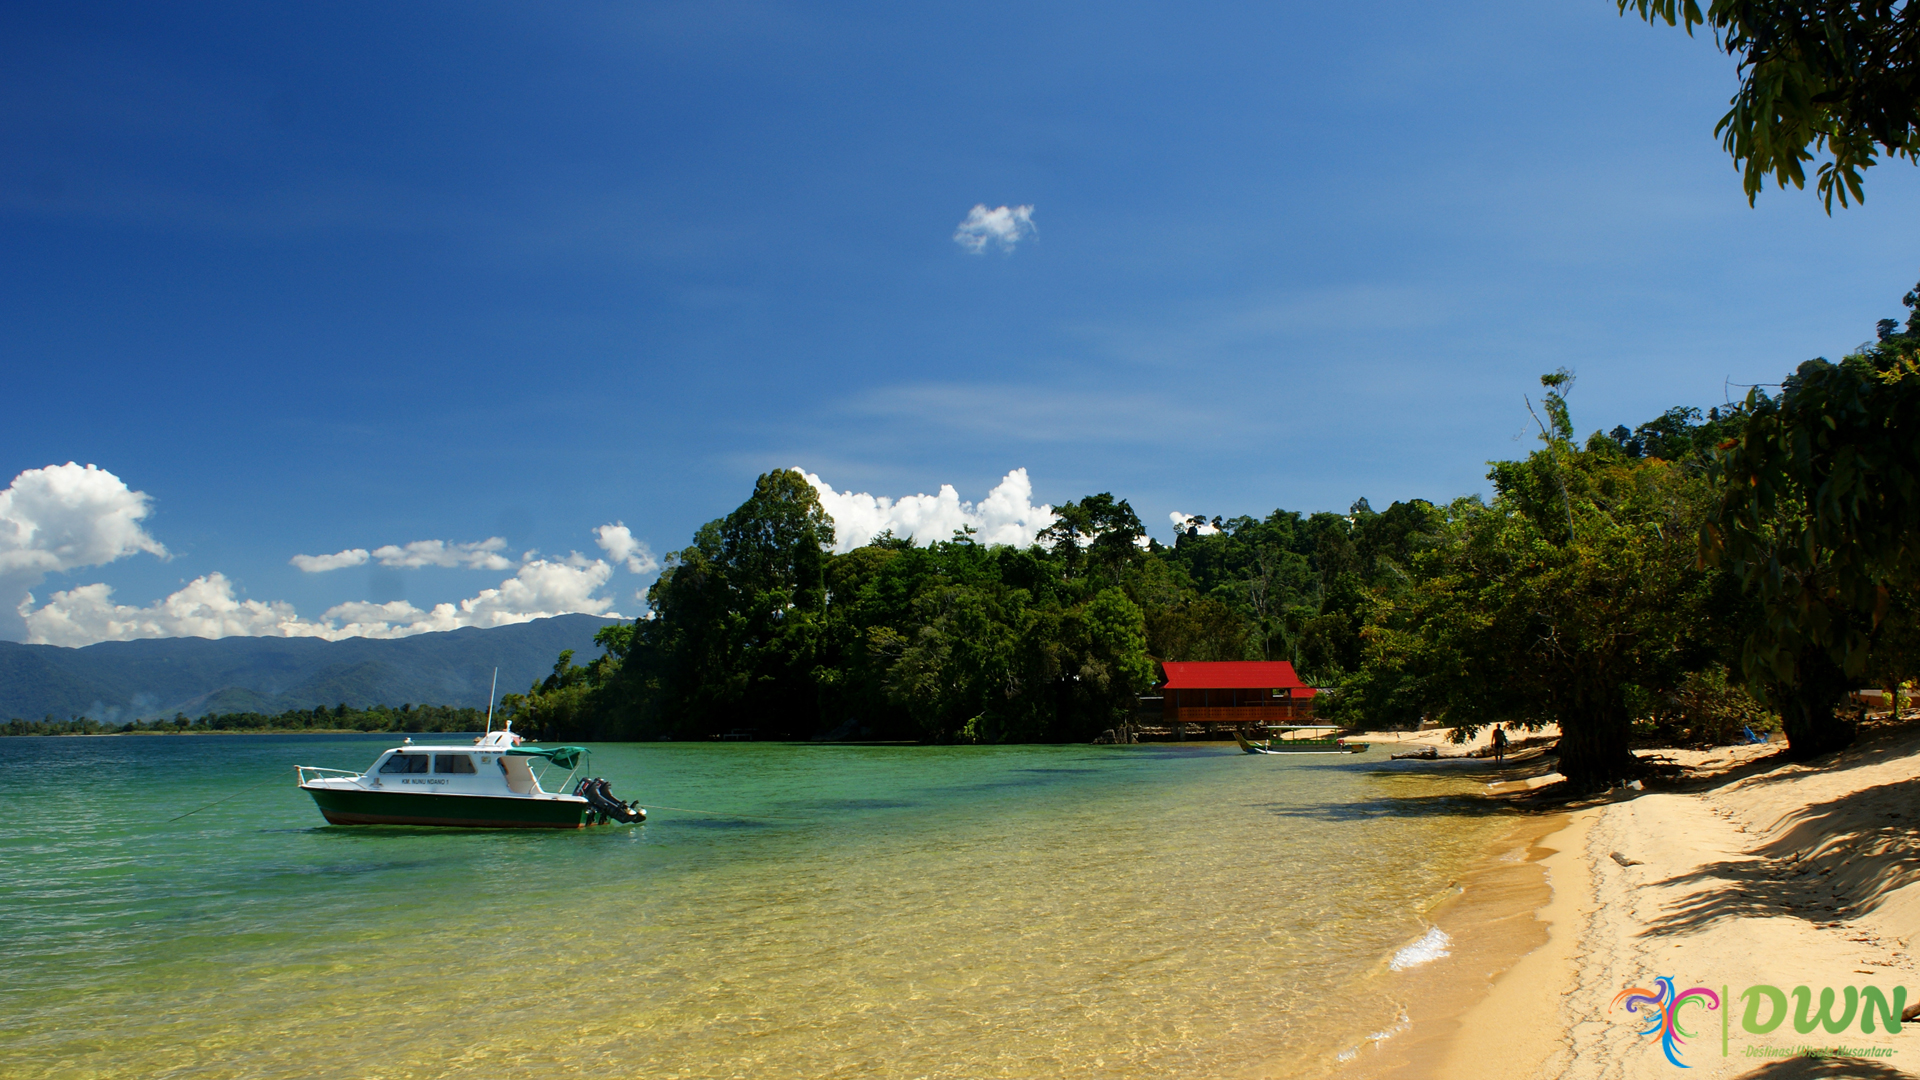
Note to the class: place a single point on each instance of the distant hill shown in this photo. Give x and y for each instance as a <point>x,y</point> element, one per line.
<point>131,680</point>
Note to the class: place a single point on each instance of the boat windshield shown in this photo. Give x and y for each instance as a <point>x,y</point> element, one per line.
<point>406,763</point>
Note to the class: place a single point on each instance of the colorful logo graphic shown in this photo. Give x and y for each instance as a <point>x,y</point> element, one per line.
<point>1663,1012</point>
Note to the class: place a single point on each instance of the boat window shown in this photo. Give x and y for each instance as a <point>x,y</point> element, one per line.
<point>453,763</point>
<point>405,763</point>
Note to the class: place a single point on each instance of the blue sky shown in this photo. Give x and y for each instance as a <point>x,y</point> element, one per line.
<point>330,278</point>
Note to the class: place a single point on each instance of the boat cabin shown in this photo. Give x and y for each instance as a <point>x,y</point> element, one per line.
<point>1235,693</point>
<point>448,771</point>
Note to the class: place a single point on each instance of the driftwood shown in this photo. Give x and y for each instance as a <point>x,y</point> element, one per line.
<point>1427,754</point>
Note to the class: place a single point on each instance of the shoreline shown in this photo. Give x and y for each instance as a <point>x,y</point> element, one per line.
<point>1494,922</point>
<point>1746,870</point>
<point>1486,920</point>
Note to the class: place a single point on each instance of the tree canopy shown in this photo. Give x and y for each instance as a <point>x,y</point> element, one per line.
<point>1819,517</point>
<point>1834,76</point>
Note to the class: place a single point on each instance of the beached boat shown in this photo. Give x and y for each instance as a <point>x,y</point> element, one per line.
<point>489,784</point>
<point>1300,744</point>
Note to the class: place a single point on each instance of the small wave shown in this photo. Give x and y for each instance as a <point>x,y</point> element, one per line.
<point>1431,946</point>
<point>1378,1037</point>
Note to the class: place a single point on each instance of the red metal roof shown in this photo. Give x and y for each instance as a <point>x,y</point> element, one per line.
<point>1231,675</point>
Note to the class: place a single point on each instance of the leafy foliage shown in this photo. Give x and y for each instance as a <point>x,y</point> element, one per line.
<point>1568,597</point>
<point>756,626</point>
<point>1819,517</point>
<point>1840,76</point>
<point>1706,709</point>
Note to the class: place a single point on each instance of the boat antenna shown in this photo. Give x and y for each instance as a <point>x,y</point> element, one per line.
<point>490,694</point>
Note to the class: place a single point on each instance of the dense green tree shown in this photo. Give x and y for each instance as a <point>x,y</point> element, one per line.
<point>1569,598</point>
<point>1098,533</point>
<point>736,632</point>
<point>1839,76</point>
<point>757,625</point>
<point>1819,517</point>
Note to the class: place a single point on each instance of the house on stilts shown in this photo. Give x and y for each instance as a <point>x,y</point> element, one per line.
<point>1208,699</point>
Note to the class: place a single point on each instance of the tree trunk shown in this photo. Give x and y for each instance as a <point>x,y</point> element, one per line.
<point>1807,707</point>
<point>1594,753</point>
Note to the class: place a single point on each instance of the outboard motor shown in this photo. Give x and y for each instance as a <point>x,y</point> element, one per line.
<point>599,795</point>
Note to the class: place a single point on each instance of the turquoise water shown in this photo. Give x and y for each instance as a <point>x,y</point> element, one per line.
<point>1147,911</point>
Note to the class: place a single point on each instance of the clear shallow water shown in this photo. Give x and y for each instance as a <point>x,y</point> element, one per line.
<point>1148,911</point>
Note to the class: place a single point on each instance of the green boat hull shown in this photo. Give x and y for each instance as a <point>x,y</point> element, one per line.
<point>460,811</point>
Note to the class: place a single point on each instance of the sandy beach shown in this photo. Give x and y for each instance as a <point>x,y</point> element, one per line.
<point>1742,870</point>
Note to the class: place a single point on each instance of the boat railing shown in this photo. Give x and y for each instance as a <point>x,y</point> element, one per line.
<point>539,774</point>
<point>319,773</point>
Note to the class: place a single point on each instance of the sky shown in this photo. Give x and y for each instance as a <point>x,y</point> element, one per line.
<point>379,319</point>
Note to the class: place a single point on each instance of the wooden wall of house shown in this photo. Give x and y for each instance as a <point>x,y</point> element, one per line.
<point>1223,698</point>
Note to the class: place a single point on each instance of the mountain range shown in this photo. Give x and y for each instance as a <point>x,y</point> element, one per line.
<point>115,681</point>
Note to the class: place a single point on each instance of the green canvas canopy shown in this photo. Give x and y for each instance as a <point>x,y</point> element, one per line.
<point>564,756</point>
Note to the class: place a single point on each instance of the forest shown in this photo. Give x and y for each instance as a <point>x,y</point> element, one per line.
<point>340,717</point>
<point>1748,565</point>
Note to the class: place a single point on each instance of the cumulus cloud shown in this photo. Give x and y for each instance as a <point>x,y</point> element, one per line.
<point>1004,226</point>
<point>207,607</point>
<point>64,517</point>
<point>477,555</point>
<point>1182,522</point>
<point>618,542</point>
<point>339,560</point>
<point>67,516</point>
<point>1006,516</point>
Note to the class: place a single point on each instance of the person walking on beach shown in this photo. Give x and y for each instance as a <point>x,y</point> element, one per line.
<point>1499,743</point>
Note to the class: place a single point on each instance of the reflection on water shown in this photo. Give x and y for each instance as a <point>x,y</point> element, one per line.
<point>1072,911</point>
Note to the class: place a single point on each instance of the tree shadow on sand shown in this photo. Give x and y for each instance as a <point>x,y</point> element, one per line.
<point>1778,768</point>
<point>1812,1068</point>
<point>1836,860</point>
<point>1463,805</point>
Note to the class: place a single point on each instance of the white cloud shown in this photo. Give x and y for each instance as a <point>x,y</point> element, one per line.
<point>475,556</point>
<point>540,589</point>
<point>478,555</point>
<point>618,542</point>
<point>67,516</point>
<point>1200,525</point>
<point>1004,226</point>
<point>1006,516</point>
<point>206,607</point>
<point>320,564</point>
